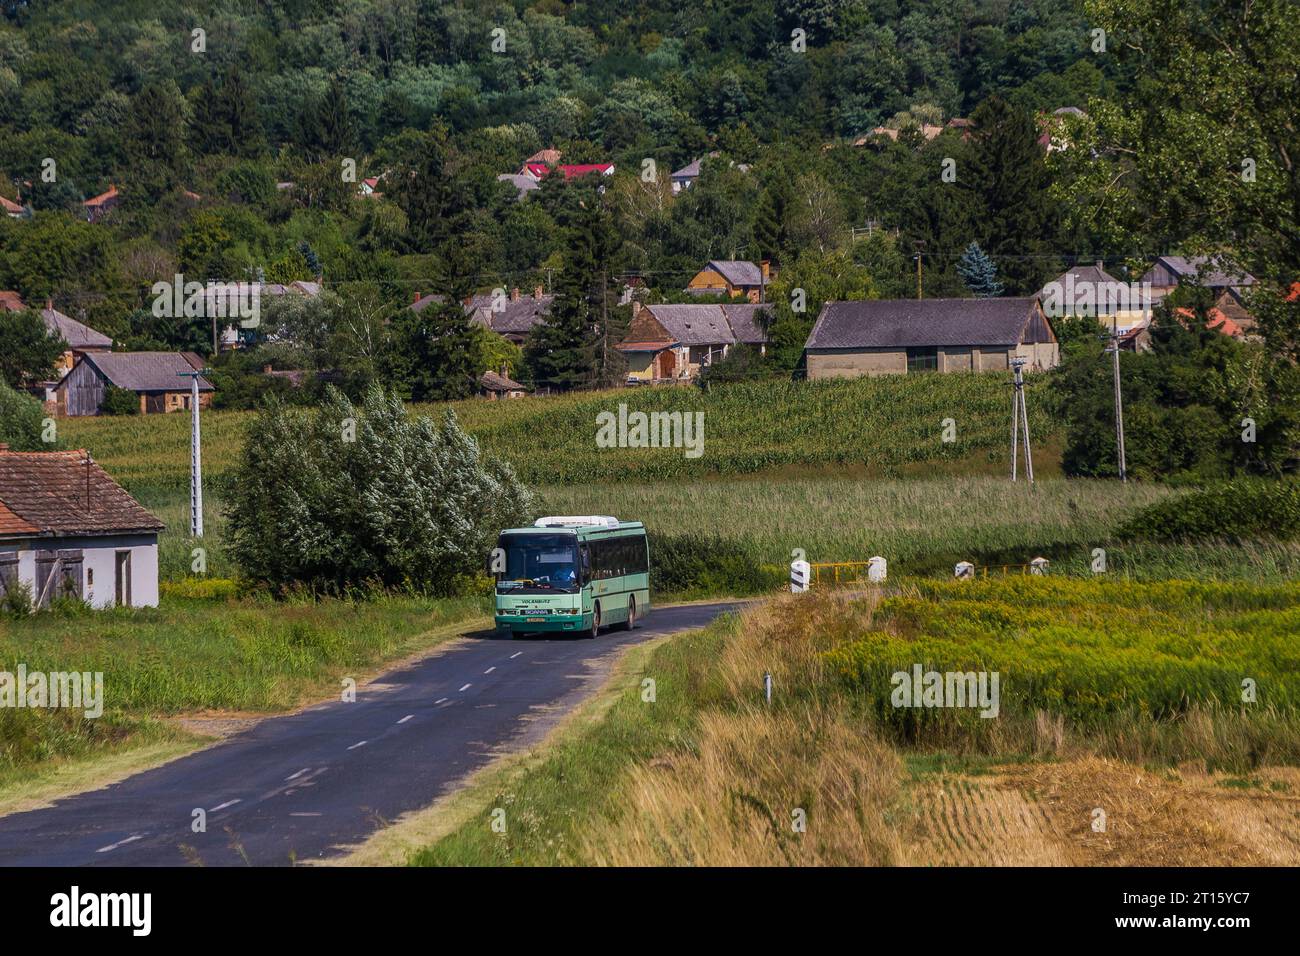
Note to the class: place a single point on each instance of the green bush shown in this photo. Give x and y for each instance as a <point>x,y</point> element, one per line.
<point>21,419</point>
<point>348,497</point>
<point>120,401</point>
<point>1238,510</point>
<point>707,563</point>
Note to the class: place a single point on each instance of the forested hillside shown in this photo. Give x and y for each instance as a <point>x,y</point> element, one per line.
<point>240,137</point>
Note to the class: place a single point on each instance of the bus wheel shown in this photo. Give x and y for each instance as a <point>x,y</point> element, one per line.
<point>631,614</point>
<point>595,622</point>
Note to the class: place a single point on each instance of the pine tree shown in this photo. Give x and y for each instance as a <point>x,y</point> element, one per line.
<point>979,273</point>
<point>1007,184</point>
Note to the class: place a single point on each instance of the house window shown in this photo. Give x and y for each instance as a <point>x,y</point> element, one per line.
<point>923,360</point>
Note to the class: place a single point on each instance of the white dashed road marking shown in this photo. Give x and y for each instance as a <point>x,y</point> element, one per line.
<point>440,700</point>
<point>490,669</point>
<point>406,718</point>
<point>515,654</point>
<point>361,743</point>
<point>465,688</point>
<point>114,846</point>
<point>228,803</point>
<point>295,776</point>
<point>304,814</point>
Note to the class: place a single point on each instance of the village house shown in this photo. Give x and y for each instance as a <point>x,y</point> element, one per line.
<point>539,171</point>
<point>1169,272</point>
<point>99,206</point>
<point>497,385</point>
<point>80,338</point>
<point>1228,287</point>
<point>160,380</point>
<point>672,343</point>
<point>682,178</point>
<point>902,336</point>
<point>523,184</point>
<point>732,278</point>
<point>1091,290</point>
<point>69,530</point>
<point>12,209</point>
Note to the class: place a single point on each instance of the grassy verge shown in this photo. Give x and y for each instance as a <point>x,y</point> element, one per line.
<point>710,774</point>
<point>190,655</point>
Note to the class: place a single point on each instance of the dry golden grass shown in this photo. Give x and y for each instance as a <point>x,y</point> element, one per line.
<point>740,798</point>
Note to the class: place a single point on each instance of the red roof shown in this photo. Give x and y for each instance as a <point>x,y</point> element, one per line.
<point>585,169</point>
<point>1217,321</point>
<point>1294,294</point>
<point>10,206</point>
<point>541,170</point>
<point>12,302</point>
<point>102,197</point>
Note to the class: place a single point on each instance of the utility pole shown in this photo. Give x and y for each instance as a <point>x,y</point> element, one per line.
<point>1020,421</point>
<point>1119,401</point>
<point>920,246</point>
<point>196,458</point>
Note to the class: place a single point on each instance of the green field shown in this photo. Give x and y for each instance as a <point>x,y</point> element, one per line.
<point>1117,695</point>
<point>834,468</point>
<point>870,427</point>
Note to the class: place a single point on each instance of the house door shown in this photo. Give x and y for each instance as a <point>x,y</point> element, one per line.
<point>667,364</point>
<point>122,585</point>
<point>58,574</point>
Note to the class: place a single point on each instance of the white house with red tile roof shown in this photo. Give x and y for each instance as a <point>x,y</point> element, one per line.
<point>69,530</point>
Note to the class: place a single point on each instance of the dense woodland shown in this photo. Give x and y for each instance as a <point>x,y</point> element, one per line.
<point>197,130</point>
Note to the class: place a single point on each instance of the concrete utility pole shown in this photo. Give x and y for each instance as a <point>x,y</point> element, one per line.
<point>1020,422</point>
<point>1119,402</point>
<point>196,457</point>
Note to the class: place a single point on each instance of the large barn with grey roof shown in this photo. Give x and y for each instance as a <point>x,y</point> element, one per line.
<point>903,336</point>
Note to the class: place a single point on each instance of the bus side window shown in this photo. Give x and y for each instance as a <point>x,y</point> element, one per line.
<point>584,556</point>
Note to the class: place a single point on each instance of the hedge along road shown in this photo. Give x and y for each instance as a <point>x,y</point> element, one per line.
<point>302,786</point>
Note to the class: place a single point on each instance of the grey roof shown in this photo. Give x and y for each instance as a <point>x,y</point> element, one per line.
<point>737,272</point>
<point>710,324</point>
<point>903,323</point>
<point>76,334</point>
<point>496,382</point>
<point>745,321</point>
<point>1204,271</point>
<point>1107,292</point>
<point>517,316</point>
<point>689,171</point>
<point>525,184</point>
<point>146,371</point>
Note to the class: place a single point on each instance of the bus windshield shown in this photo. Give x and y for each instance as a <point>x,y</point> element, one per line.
<point>541,562</point>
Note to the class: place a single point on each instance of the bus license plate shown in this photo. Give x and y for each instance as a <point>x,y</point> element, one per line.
<point>534,620</point>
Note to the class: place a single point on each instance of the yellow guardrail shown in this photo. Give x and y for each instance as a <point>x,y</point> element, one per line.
<point>838,571</point>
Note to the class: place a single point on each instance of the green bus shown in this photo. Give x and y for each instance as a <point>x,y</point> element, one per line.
<point>575,574</point>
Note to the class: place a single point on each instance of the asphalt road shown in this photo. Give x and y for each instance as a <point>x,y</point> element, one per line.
<point>300,786</point>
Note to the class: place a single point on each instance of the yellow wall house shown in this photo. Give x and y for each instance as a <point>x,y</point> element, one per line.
<point>672,343</point>
<point>733,278</point>
<point>906,336</point>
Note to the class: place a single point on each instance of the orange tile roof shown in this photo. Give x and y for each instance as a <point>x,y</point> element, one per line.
<point>65,493</point>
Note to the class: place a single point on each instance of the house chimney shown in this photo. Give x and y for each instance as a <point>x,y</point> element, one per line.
<point>415,297</point>
<point>266,369</point>
<point>514,294</point>
<point>636,308</point>
<point>49,304</point>
<point>537,292</point>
